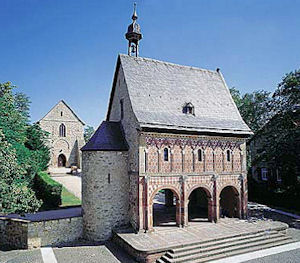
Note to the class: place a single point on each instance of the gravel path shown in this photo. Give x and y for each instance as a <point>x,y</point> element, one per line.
<point>71,182</point>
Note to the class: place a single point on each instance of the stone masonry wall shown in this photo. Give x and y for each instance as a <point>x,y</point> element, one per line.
<point>26,234</point>
<point>74,140</point>
<point>105,189</point>
<point>130,126</point>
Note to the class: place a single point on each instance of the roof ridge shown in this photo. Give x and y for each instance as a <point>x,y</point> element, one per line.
<point>169,63</point>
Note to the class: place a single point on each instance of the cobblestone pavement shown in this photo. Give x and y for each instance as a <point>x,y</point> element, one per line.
<point>107,253</point>
<point>71,182</point>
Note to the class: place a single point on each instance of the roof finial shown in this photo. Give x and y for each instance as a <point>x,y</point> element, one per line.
<point>134,16</point>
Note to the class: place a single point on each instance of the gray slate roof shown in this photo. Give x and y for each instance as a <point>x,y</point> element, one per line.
<point>108,137</point>
<point>158,90</point>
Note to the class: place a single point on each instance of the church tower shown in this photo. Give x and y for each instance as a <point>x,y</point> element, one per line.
<point>133,35</point>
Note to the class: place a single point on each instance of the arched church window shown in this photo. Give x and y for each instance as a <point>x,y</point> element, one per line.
<point>166,154</point>
<point>62,130</point>
<point>188,108</point>
<point>200,155</point>
<point>228,155</point>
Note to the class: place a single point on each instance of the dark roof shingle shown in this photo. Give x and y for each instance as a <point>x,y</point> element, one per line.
<point>108,137</point>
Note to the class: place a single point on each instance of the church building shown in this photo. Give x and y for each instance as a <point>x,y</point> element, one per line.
<point>65,135</point>
<point>172,135</point>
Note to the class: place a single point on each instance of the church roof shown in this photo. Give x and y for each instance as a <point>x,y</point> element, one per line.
<point>158,91</point>
<point>63,102</point>
<point>108,137</point>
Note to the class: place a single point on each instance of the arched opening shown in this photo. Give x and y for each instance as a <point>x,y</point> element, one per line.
<point>165,208</point>
<point>198,206</point>
<point>62,161</point>
<point>229,202</point>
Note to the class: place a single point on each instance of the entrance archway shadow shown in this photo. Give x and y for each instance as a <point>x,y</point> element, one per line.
<point>229,202</point>
<point>62,160</point>
<point>165,203</point>
<point>198,206</point>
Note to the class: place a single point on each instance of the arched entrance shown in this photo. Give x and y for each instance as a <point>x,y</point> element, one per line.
<point>229,202</point>
<point>165,208</point>
<point>61,162</point>
<point>199,203</point>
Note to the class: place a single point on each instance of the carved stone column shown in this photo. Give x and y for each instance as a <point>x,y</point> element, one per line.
<point>147,206</point>
<point>216,201</point>
<point>184,201</point>
<point>243,197</point>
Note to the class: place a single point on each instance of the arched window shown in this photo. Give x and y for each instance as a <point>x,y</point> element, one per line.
<point>62,130</point>
<point>166,154</point>
<point>200,155</point>
<point>228,155</point>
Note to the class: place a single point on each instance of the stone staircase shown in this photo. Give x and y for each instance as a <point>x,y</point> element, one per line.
<point>206,251</point>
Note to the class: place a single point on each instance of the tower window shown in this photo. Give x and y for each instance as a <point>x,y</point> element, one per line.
<point>61,113</point>
<point>188,108</point>
<point>228,155</point>
<point>200,155</point>
<point>62,130</point>
<point>166,154</point>
<point>122,108</point>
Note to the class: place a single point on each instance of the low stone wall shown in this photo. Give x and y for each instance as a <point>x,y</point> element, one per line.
<point>18,233</point>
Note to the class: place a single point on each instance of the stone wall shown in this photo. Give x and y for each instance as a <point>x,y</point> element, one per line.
<point>70,144</point>
<point>17,233</point>
<point>105,190</point>
<point>130,126</point>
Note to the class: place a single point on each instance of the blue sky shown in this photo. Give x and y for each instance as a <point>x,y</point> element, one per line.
<point>67,49</point>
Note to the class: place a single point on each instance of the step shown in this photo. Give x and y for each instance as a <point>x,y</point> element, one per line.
<point>225,251</point>
<point>159,261</point>
<point>221,241</point>
<point>239,252</point>
<point>225,238</point>
<point>215,246</point>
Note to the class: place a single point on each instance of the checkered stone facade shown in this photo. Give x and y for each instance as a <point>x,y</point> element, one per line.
<point>183,172</point>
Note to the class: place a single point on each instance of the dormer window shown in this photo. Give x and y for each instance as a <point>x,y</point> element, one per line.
<point>188,108</point>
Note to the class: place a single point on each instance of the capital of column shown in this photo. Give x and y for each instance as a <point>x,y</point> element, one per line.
<point>147,178</point>
<point>184,178</point>
<point>214,177</point>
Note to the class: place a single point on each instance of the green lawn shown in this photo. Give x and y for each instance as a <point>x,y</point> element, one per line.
<point>68,199</point>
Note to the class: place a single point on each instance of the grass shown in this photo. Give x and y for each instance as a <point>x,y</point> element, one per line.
<point>69,199</point>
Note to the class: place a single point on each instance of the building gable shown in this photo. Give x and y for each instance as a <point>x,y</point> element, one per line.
<point>61,112</point>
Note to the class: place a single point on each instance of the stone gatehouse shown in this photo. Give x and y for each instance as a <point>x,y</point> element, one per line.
<point>171,131</point>
<point>65,135</point>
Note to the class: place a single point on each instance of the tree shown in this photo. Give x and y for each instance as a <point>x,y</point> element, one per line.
<point>16,196</point>
<point>253,107</point>
<point>36,142</point>
<point>28,146</point>
<point>88,132</point>
<point>22,104</point>
<point>12,122</point>
<point>282,132</point>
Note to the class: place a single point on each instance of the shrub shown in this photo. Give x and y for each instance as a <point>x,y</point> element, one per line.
<point>48,190</point>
